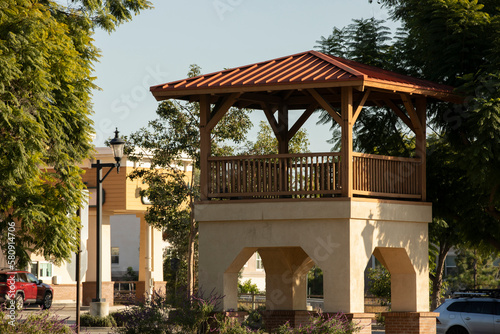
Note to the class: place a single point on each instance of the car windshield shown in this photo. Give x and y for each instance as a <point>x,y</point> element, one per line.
<point>3,278</point>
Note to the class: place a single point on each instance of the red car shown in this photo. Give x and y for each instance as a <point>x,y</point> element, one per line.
<point>24,288</point>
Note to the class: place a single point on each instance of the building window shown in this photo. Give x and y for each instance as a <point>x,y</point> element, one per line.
<point>115,255</point>
<point>259,265</point>
<point>34,268</point>
<point>450,268</point>
<point>41,269</point>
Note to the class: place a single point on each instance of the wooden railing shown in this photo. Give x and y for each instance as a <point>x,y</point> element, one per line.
<point>311,175</point>
<point>269,176</point>
<point>384,176</point>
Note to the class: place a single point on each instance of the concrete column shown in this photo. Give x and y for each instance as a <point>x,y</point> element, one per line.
<point>286,270</point>
<point>409,284</point>
<point>156,255</point>
<point>144,286</point>
<point>89,285</point>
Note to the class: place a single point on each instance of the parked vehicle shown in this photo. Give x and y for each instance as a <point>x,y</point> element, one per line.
<point>24,288</point>
<point>470,312</point>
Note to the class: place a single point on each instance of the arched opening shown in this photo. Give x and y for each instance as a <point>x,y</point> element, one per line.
<point>377,287</point>
<point>403,277</point>
<point>284,271</point>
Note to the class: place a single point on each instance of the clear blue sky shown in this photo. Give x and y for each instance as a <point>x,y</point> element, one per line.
<point>158,46</point>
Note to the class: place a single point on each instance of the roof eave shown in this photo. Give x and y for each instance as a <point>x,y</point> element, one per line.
<point>445,94</point>
<point>164,94</point>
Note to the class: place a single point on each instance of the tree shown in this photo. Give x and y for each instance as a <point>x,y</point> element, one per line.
<point>475,270</point>
<point>451,42</point>
<point>267,143</point>
<point>248,287</point>
<point>380,283</point>
<point>463,49</point>
<point>46,60</point>
<point>169,138</point>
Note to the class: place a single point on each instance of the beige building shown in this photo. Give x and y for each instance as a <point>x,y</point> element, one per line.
<point>121,199</point>
<point>331,209</point>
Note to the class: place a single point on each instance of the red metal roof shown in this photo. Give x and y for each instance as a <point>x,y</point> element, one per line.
<point>303,68</point>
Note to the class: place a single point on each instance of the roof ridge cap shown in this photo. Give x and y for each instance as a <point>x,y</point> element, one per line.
<point>338,63</point>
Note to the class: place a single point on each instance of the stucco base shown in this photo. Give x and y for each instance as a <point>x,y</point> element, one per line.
<point>339,235</point>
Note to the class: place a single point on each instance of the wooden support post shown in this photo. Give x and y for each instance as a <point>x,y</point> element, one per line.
<point>205,146</point>
<point>420,145</point>
<point>346,150</point>
<point>283,144</point>
<point>283,129</point>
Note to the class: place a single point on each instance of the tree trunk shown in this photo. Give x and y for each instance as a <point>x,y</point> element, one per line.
<point>190,257</point>
<point>437,281</point>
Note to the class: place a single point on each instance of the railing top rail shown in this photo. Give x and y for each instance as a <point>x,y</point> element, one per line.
<point>385,157</point>
<point>274,156</point>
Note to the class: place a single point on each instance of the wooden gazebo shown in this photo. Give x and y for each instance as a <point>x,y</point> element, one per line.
<point>331,209</point>
<point>308,81</point>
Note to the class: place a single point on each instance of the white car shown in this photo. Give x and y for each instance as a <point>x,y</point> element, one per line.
<point>469,315</point>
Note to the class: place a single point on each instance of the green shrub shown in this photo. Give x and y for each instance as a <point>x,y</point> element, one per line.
<point>87,320</point>
<point>248,287</point>
<point>36,323</point>
<point>322,324</point>
<point>254,319</point>
<point>117,318</point>
<point>226,325</point>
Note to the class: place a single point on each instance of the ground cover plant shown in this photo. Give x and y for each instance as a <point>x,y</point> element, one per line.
<point>322,324</point>
<point>36,323</point>
<point>196,316</point>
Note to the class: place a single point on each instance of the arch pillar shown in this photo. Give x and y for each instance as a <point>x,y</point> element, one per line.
<point>89,286</point>
<point>286,283</point>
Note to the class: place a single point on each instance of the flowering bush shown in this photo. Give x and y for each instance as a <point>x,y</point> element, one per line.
<point>37,323</point>
<point>155,316</point>
<point>226,325</point>
<point>322,324</point>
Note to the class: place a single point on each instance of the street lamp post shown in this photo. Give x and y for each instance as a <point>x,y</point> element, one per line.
<point>117,145</point>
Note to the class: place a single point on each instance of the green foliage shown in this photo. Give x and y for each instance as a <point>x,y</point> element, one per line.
<point>248,287</point>
<point>254,319</point>
<point>475,270</point>
<point>156,316</point>
<point>46,79</point>
<point>170,141</point>
<point>379,283</point>
<point>36,323</point>
<point>322,324</point>
<point>364,41</point>
<point>131,275</point>
<point>462,48</point>
<point>315,281</point>
<point>227,325</point>
<point>367,41</point>
<point>267,143</point>
<point>87,320</point>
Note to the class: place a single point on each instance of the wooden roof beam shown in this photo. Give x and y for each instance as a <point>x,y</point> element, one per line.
<point>302,119</point>
<point>415,120</point>
<point>221,109</point>
<point>400,113</point>
<point>325,105</point>
<point>268,111</point>
<point>360,106</point>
